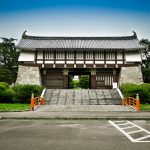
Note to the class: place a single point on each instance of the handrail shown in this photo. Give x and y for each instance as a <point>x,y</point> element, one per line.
<point>133,102</point>
<point>35,102</point>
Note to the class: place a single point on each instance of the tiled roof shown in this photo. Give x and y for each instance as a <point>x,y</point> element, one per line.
<point>95,43</point>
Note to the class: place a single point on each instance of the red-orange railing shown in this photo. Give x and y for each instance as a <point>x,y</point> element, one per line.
<point>133,102</point>
<point>35,102</point>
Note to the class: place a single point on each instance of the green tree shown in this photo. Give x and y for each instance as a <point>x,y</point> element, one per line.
<point>9,57</point>
<point>146,53</point>
<point>5,75</point>
<point>84,81</point>
<point>146,61</point>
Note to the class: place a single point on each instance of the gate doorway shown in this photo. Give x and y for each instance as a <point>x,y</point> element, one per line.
<point>79,80</point>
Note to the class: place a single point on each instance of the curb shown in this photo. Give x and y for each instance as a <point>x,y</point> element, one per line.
<point>75,118</point>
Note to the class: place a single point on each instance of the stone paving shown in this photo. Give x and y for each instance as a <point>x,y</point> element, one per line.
<point>83,108</point>
<point>82,100</point>
<point>82,97</point>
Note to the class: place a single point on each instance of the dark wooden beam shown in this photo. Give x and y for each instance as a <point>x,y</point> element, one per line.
<point>123,56</point>
<point>75,57</point>
<point>115,56</point>
<point>84,56</point>
<point>104,57</point>
<point>44,57</point>
<point>55,57</point>
<point>35,56</point>
<point>93,57</point>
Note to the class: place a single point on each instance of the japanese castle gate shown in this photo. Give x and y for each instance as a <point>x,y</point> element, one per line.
<point>49,61</point>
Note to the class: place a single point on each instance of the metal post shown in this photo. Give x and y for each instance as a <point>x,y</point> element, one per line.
<point>42,102</point>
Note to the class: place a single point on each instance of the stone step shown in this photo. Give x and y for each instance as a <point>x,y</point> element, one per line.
<point>82,97</point>
<point>83,108</point>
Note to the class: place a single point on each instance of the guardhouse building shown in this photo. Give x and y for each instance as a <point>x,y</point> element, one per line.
<point>49,61</point>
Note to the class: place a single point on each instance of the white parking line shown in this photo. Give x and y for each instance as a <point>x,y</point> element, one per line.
<point>123,124</point>
<point>120,121</point>
<point>127,127</point>
<point>134,131</point>
<point>128,134</point>
<point>141,138</point>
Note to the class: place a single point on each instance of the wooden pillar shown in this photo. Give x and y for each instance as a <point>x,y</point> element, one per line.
<point>93,79</point>
<point>123,55</point>
<point>105,65</point>
<point>65,74</point>
<point>65,53</point>
<point>84,56</point>
<point>43,56</point>
<point>75,53</point>
<point>36,56</point>
<point>114,75</point>
<point>54,65</point>
<point>94,59</point>
<point>115,57</point>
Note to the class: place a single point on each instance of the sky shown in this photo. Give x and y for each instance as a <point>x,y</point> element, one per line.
<point>74,18</point>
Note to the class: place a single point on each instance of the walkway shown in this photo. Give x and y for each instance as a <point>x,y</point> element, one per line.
<point>83,108</point>
<point>82,100</point>
<point>82,97</point>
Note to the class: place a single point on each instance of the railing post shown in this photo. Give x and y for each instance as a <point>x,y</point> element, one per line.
<point>137,102</point>
<point>123,103</point>
<point>32,102</point>
<point>43,101</point>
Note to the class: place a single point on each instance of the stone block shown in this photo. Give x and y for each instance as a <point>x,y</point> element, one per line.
<point>28,75</point>
<point>131,75</point>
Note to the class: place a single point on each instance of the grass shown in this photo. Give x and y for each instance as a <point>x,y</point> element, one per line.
<point>26,107</point>
<point>14,107</point>
<point>145,107</point>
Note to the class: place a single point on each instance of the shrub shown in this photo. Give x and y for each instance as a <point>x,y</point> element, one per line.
<point>2,88</point>
<point>143,90</point>
<point>18,93</point>
<point>5,84</point>
<point>23,92</point>
<point>74,84</point>
<point>6,94</point>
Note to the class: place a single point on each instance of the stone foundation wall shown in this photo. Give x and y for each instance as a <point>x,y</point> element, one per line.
<point>131,75</point>
<point>29,75</point>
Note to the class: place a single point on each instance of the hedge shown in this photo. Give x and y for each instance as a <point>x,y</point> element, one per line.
<point>6,94</point>
<point>23,92</point>
<point>143,90</point>
<point>18,93</point>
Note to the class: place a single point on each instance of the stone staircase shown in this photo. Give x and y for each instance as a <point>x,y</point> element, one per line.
<point>82,97</point>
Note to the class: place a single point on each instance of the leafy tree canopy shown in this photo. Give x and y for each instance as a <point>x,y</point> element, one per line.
<point>9,58</point>
<point>146,61</point>
<point>146,52</point>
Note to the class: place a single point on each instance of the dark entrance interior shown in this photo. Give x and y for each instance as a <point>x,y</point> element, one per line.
<point>79,79</point>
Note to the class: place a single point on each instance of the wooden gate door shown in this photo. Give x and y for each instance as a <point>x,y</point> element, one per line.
<point>53,80</point>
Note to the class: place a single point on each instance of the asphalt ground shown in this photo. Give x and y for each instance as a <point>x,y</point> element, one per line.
<point>66,135</point>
